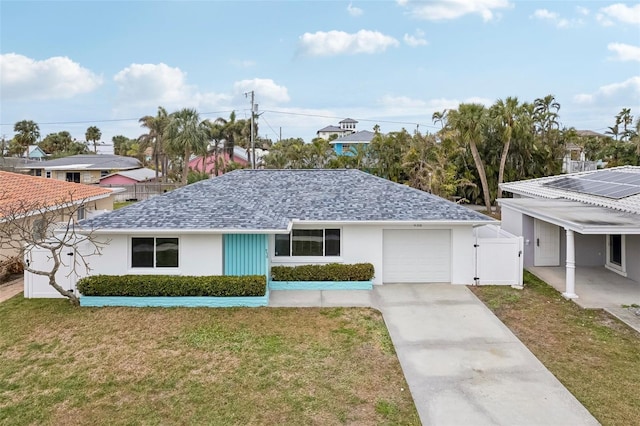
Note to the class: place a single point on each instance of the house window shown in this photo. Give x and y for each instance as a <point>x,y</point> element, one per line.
<point>104,173</point>
<point>616,253</point>
<point>154,252</point>
<point>38,172</point>
<point>47,174</point>
<point>308,242</point>
<point>80,213</point>
<point>73,177</point>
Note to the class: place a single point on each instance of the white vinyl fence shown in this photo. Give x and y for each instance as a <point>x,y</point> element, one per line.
<point>498,257</point>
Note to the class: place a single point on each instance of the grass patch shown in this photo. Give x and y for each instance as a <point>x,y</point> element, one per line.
<point>593,354</point>
<point>65,365</point>
<point>120,204</point>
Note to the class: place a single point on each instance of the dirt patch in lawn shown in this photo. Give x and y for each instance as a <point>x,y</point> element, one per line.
<point>65,365</point>
<point>593,354</point>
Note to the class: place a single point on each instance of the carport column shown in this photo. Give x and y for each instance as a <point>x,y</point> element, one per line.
<point>570,280</point>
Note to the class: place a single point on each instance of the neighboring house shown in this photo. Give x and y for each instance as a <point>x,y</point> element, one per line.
<point>343,145</point>
<point>574,160</point>
<point>245,221</point>
<point>344,127</point>
<point>588,219</point>
<point>240,157</point>
<point>130,177</point>
<point>28,196</point>
<point>83,168</point>
<point>34,152</point>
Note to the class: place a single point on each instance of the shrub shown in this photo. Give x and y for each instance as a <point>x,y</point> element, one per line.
<point>172,285</point>
<point>10,266</point>
<point>329,272</point>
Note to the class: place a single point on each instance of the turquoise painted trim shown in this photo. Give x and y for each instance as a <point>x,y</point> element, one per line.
<point>245,254</point>
<point>320,285</point>
<point>168,302</point>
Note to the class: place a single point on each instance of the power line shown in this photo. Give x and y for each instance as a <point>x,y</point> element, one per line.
<point>116,120</point>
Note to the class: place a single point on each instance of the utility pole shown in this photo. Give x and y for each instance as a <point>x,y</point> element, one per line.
<point>254,109</point>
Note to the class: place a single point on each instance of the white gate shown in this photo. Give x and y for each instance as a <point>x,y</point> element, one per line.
<point>498,257</point>
<point>37,286</point>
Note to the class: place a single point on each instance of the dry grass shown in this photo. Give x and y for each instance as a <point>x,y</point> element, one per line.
<point>593,354</point>
<point>65,365</point>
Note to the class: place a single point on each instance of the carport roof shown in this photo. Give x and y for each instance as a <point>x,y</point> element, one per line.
<point>270,201</point>
<point>576,216</point>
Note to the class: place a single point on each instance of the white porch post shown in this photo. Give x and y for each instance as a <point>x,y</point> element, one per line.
<point>570,280</point>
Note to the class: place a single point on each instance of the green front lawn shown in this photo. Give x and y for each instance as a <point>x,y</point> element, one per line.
<point>65,365</point>
<point>593,354</point>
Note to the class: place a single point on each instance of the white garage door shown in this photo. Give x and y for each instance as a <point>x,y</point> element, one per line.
<point>415,256</point>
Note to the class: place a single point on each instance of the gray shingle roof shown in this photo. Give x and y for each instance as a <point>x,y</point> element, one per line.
<point>87,162</point>
<point>363,136</point>
<point>271,199</point>
<point>139,175</point>
<point>331,129</point>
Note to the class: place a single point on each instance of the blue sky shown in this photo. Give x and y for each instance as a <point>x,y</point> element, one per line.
<point>311,63</point>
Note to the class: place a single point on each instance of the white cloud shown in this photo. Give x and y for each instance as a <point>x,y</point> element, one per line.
<point>266,90</point>
<point>153,84</point>
<point>582,10</point>
<point>440,10</point>
<point>412,107</point>
<point>625,92</point>
<point>53,78</point>
<point>555,19</point>
<point>354,11</point>
<point>246,63</point>
<point>415,40</point>
<point>160,84</point>
<point>625,52</point>
<point>330,43</point>
<point>619,12</point>
<point>545,14</point>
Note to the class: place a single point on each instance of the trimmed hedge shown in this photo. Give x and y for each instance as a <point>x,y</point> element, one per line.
<point>329,272</point>
<point>173,285</point>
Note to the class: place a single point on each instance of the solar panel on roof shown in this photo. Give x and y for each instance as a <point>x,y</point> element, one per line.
<point>604,183</point>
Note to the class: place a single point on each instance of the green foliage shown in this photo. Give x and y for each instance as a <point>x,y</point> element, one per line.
<point>27,133</point>
<point>62,144</point>
<point>196,176</point>
<point>172,285</point>
<point>329,272</point>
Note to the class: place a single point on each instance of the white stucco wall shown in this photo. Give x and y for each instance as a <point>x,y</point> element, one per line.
<point>198,255</point>
<point>364,243</point>
<point>511,221</point>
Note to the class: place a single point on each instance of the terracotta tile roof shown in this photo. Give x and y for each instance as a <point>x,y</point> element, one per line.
<point>21,190</point>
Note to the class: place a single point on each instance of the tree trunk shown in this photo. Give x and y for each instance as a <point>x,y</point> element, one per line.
<point>185,166</point>
<point>503,162</point>
<point>75,301</point>
<point>483,175</point>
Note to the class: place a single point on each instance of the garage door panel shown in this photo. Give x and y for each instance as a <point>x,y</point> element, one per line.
<point>417,256</point>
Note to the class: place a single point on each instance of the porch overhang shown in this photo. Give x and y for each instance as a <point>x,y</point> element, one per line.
<point>576,216</point>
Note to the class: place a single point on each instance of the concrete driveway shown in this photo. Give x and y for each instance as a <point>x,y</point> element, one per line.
<point>463,366</point>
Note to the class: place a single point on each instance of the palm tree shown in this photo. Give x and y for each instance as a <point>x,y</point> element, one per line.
<point>626,119</point>
<point>440,117</point>
<point>509,118</point>
<point>545,111</point>
<point>93,134</point>
<point>186,134</point>
<point>156,126</point>
<point>28,132</point>
<point>468,122</point>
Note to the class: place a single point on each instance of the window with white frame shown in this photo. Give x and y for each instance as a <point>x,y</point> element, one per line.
<point>151,252</point>
<point>308,242</point>
<point>616,253</point>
